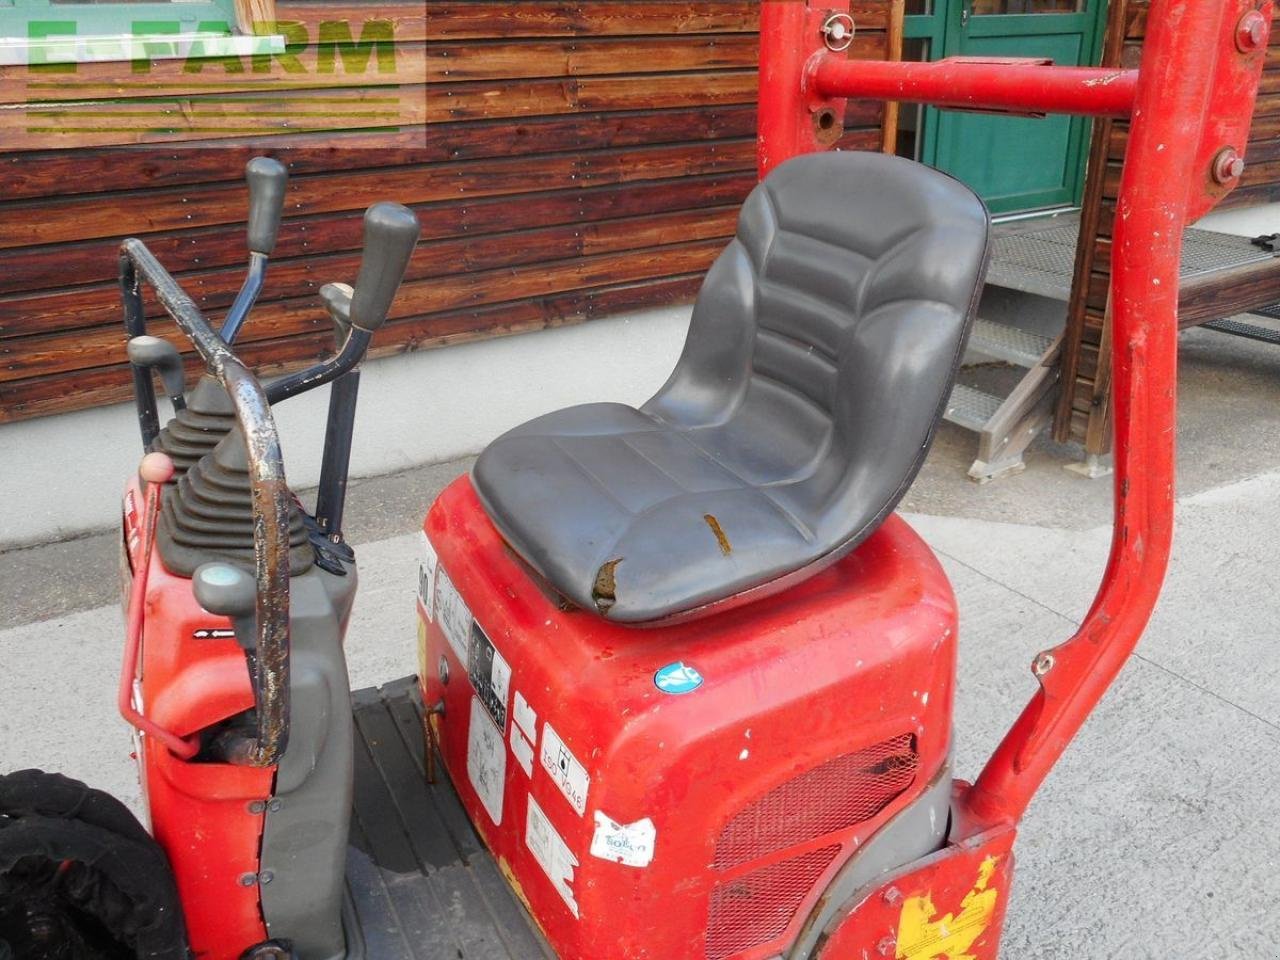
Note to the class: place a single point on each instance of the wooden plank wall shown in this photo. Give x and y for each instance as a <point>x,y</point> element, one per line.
<point>1083,405</point>
<point>568,160</point>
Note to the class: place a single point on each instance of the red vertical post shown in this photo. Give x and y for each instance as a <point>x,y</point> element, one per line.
<point>782,58</point>
<point>1161,185</point>
<point>792,118</point>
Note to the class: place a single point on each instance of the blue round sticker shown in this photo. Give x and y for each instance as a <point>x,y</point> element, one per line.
<point>677,678</point>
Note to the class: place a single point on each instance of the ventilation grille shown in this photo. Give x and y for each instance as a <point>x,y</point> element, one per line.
<point>758,907</point>
<point>838,794</point>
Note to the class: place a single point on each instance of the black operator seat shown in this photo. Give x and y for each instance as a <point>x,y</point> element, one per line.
<point>820,358</point>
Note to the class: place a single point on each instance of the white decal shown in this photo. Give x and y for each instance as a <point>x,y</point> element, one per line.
<point>455,618</point>
<point>525,717</point>
<point>500,678</point>
<point>486,760</point>
<point>523,750</point>
<point>551,852</point>
<point>569,775</point>
<point>427,576</point>
<point>630,843</point>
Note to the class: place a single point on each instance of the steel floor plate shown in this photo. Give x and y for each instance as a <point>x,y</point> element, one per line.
<point>1038,256</point>
<point>421,884</point>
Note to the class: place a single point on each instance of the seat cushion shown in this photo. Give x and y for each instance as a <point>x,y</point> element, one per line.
<point>820,356</point>
<point>627,515</point>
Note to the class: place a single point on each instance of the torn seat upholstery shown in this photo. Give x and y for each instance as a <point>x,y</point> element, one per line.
<point>819,360</point>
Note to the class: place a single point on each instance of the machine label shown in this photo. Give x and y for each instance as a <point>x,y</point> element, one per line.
<point>525,717</point>
<point>427,564</point>
<point>454,616</point>
<point>486,761</point>
<point>631,844</point>
<point>677,678</point>
<point>490,674</point>
<point>522,749</point>
<point>551,852</point>
<point>569,775</point>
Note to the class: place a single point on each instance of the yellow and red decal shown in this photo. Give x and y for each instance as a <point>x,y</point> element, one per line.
<point>948,906</point>
<point>924,935</point>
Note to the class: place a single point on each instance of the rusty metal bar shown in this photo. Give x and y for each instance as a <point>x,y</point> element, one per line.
<point>270,492</point>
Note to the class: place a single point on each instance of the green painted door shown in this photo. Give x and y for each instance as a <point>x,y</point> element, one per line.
<point>1016,163</point>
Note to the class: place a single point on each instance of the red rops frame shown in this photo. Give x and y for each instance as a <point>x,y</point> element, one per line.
<point>1190,104</point>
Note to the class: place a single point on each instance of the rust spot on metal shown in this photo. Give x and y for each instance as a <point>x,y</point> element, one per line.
<point>604,590</point>
<point>725,546</point>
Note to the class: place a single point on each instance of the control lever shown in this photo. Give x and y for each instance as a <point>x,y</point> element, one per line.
<point>391,231</point>
<point>337,301</point>
<point>228,591</point>
<point>152,353</point>
<point>390,234</point>
<point>267,182</point>
<point>335,464</point>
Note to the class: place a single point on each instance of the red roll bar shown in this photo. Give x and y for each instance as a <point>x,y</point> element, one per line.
<point>1190,104</point>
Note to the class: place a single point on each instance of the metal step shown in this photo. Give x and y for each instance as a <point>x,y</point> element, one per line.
<point>971,408</point>
<point>1011,344</point>
<point>1238,328</point>
<point>422,885</point>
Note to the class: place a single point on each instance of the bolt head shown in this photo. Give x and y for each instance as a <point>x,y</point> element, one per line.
<point>257,806</point>
<point>248,879</point>
<point>1251,32</point>
<point>892,896</point>
<point>266,876</point>
<point>1227,166</point>
<point>1044,663</point>
<point>444,670</point>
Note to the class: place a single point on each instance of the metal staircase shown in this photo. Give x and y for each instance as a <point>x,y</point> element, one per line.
<point>1006,425</point>
<point>1037,257</point>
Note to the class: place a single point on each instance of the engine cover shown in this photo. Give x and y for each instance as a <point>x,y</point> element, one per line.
<point>682,791</point>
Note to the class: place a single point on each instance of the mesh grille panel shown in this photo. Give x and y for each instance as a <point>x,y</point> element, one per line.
<point>758,907</point>
<point>834,796</point>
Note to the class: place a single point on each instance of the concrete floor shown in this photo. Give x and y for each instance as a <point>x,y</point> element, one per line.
<point>1154,837</point>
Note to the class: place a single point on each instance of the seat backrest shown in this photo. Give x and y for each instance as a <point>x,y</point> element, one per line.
<point>825,340</point>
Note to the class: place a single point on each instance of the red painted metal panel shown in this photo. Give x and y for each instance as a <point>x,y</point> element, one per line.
<point>822,712</point>
<point>199,811</point>
<point>950,905</point>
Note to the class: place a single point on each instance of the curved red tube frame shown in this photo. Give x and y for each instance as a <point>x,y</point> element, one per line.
<point>184,749</point>
<point>1192,98</point>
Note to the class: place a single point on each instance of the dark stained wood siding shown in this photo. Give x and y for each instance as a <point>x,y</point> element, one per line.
<point>1083,406</point>
<point>568,160</point>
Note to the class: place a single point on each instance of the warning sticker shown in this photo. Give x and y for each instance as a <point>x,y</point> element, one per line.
<point>551,852</point>
<point>522,749</point>
<point>454,616</point>
<point>569,775</point>
<point>486,760</point>
<point>427,563</point>
<point>525,717</point>
<point>631,844</point>
<point>490,674</point>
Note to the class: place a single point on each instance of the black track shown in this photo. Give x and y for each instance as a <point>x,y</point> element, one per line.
<point>422,885</point>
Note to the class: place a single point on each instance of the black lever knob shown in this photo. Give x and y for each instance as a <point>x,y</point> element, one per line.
<point>390,234</point>
<point>337,301</point>
<point>225,589</point>
<point>152,352</point>
<point>267,181</point>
